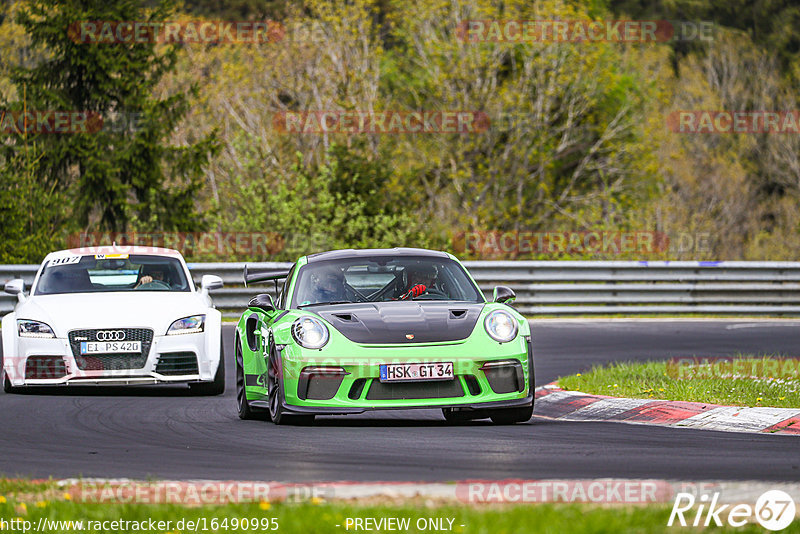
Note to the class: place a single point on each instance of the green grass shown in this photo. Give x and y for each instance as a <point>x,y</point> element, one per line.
<point>652,380</point>
<point>306,517</point>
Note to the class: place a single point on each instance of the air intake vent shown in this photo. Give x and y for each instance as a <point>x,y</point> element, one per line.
<point>177,363</point>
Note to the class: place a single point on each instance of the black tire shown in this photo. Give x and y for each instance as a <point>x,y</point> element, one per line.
<point>275,389</point>
<point>217,387</point>
<point>7,387</point>
<point>245,410</point>
<point>509,416</point>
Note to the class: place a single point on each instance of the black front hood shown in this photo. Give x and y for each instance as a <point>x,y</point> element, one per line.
<point>395,322</point>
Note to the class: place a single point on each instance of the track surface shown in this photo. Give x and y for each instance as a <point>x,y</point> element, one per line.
<point>166,433</point>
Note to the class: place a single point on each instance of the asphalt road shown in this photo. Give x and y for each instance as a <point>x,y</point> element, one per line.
<point>164,432</point>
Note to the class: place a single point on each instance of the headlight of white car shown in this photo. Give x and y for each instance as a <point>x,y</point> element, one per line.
<point>310,333</point>
<point>501,326</point>
<point>27,328</point>
<point>187,325</point>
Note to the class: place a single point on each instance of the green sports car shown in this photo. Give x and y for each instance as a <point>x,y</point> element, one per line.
<point>357,330</point>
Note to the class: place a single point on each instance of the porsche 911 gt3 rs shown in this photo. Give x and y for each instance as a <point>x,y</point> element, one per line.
<point>99,316</point>
<point>356,330</point>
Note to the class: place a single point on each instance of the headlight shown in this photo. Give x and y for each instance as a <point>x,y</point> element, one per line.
<point>310,333</point>
<point>34,329</point>
<point>187,325</point>
<point>501,326</point>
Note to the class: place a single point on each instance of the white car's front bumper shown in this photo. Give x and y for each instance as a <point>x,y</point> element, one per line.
<point>176,358</point>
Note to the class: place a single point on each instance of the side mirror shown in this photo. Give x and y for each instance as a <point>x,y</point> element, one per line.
<point>210,281</point>
<point>16,287</point>
<point>263,301</point>
<point>503,294</point>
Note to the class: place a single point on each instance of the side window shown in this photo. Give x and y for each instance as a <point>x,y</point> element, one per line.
<point>282,297</point>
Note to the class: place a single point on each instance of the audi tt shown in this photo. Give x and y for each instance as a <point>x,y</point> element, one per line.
<point>109,316</point>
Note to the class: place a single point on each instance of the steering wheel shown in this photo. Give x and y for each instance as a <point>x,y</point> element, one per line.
<point>155,284</point>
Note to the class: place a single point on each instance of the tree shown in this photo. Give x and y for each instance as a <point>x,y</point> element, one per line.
<point>121,176</point>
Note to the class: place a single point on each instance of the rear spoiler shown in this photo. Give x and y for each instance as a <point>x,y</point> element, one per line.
<point>264,275</point>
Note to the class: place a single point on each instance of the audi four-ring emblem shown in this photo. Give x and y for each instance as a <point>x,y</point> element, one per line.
<point>110,335</point>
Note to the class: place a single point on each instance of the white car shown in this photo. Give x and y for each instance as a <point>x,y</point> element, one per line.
<point>101,316</point>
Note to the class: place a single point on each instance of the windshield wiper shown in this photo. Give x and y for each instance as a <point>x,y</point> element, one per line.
<point>326,303</point>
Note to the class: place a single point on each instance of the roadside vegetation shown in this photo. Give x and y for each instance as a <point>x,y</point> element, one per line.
<point>318,516</point>
<point>755,381</point>
<point>578,138</point>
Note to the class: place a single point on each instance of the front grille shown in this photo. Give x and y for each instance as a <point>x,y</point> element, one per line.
<point>109,362</point>
<point>45,367</point>
<point>177,363</point>
<point>414,390</point>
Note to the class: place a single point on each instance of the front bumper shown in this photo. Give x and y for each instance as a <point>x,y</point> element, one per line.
<point>170,359</point>
<point>352,383</point>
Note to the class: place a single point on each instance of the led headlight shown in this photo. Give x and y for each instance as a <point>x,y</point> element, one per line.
<point>310,333</point>
<point>187,325</point>
<point>38,329</point>
<point>501,326</point>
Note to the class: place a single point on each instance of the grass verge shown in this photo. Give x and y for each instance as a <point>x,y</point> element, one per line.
<point>322,517</point>
<point>757,387</point>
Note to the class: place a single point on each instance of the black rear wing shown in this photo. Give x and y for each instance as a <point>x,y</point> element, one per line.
<point>263,275</point>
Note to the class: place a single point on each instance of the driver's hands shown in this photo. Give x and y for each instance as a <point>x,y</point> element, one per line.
<point>415,291</point>
<point>145,280</point>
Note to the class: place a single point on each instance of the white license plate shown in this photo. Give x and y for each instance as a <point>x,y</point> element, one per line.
<point>110,347</point>
<point>416,372</point>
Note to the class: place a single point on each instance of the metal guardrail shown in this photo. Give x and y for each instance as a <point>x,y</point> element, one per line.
<point>566,288</point>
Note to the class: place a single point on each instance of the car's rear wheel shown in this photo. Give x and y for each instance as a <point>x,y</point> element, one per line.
<point>245,410</point>
<point>509,416</point>
<point>217,387</point>
<point>275,389</point>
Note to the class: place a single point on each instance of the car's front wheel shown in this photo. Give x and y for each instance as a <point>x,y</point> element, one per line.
<point>509,416</point>
<point>7,387</point>
<point>275,391</point>
<point>217,387</point>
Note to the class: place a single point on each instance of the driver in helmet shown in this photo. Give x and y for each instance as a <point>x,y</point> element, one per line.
<point>420,278</point>
<point>328,286</point>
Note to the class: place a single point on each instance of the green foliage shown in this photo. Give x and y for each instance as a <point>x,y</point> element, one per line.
<point>342,202</point>
<point>33,220</point>
<point>120,174</point>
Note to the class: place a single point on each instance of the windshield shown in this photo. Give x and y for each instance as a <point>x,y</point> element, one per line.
<point>383,279</point>
<point>97,274</point>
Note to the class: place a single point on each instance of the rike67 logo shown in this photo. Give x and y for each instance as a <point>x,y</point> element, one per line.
<point>774,510</point>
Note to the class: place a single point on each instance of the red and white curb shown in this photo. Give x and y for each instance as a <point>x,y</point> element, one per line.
<point>555,403</point>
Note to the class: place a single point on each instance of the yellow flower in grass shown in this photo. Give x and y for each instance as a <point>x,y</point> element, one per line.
<point>578,374</point>
<point>67,497</point>
<point>660,389</point>
<point>779,398</point>
<point>264,505</point>
<point>316,500</point>
<point>759,399</point>
<point>3,500</point>
<point>41,504</point>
